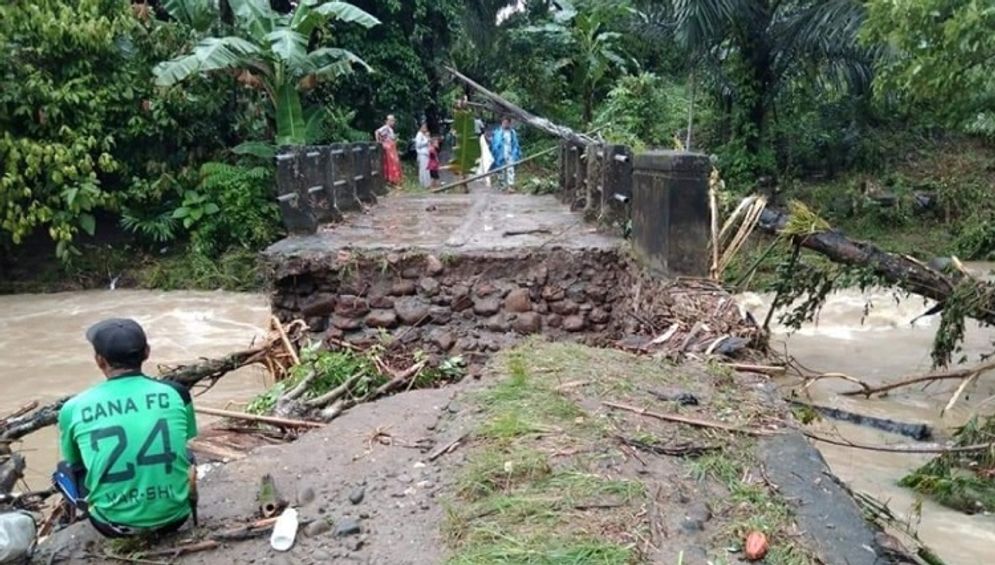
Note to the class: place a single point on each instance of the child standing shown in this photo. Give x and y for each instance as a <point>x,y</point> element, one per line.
<point>433,161</point>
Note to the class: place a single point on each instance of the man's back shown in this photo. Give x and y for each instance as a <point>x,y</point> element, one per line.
<point>130,434</point>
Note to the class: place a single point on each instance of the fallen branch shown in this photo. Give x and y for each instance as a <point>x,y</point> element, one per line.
<point>955,374</point>
<point>11,472</point>
<point>491,172</point>
<point>773,370</point>
<point>333,394</point>
<point>182,549</point>
<point>899,270</point>
<point>687,420</point>
<point>910,449</point>
<point>679,450</point>
<point>511,233</point>
<point>272,420</point>
<point>448,448</point>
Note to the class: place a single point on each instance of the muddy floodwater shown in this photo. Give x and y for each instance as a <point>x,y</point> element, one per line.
<point>43,356</point>
<point>881,345</point>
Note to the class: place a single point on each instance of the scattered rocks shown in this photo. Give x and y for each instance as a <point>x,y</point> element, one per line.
<point>347,527</point>
<point>381,319</point>
<point>357,494</point>
<point>518,301</point>
<point>552,293</point>
<point>343,323</point>
<point>564,307</point>
<point>440,315</point>
<point>599,316</point>
<point>305,496</point>
<point>381,302</point>
<point>412,311</point>
<point>318,527</point>
<point>351,306</point>
<point>498,323</point>
<point>486,306</point>
<point>442,339</point>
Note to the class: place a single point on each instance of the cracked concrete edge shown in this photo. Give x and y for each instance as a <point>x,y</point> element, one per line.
<point>834,526</point>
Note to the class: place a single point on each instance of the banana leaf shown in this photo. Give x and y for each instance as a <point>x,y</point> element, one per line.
<point>290,126</point>
<point>467,149</point>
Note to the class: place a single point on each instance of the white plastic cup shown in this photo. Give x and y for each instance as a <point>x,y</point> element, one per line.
<point>284,531</point>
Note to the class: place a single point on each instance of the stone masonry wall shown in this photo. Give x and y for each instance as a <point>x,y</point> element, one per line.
<point>475,303</point>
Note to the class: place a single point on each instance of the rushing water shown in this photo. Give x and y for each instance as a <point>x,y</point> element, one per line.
<point>43,355</point>
<point>879,346</point>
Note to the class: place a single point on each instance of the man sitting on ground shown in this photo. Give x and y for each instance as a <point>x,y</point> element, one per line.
<point>123,442</point>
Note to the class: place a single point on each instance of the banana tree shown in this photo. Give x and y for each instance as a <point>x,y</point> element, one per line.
<point>594,50</point>
<point>270,52</point>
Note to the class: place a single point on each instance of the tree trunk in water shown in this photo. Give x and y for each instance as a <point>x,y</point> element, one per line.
<point>899,270</point>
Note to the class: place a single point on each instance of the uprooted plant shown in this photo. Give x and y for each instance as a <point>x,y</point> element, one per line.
<point>327,382</point>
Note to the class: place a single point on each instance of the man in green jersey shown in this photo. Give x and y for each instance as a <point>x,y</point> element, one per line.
<point>123,442</point>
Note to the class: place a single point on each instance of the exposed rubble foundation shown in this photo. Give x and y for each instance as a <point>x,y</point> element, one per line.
<point>474,303</point>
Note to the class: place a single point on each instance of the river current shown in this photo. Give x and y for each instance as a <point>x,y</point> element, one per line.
<point>43,355</point>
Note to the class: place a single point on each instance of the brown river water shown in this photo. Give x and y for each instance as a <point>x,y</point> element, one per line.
<point>43,356</point>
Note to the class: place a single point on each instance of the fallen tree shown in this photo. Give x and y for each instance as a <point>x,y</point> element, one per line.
<point>958,294</point>
<point>900,270</point>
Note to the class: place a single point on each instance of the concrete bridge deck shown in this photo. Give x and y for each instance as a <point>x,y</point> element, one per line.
<point>483,220</point>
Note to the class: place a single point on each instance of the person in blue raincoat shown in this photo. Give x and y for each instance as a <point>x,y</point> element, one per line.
<point>506,151</point>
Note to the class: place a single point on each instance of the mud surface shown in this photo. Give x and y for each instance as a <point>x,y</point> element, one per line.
<point>372,454</point>
<point>369,471</point>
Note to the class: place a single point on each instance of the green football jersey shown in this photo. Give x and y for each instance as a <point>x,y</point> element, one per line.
<point>130,434</point>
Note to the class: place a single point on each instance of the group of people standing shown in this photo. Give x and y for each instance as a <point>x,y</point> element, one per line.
<point>499,149</point>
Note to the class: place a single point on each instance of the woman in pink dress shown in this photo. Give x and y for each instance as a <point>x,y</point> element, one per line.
<point>387,139</point>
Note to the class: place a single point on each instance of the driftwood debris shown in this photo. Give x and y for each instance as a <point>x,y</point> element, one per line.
<point>271,420</point>
<point>696,422</point>
<point>916,431</point>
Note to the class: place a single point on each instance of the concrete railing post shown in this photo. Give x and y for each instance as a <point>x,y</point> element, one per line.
<point>670,213</point>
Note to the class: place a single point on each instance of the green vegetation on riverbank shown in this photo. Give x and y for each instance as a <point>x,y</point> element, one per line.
<point>553,476</point>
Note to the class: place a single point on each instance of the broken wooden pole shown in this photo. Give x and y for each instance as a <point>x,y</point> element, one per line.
<point>514,110</point>
<point>271,420</point>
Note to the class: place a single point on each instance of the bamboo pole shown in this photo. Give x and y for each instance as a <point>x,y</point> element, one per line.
<point>283,422</point>
<point>446,187</point>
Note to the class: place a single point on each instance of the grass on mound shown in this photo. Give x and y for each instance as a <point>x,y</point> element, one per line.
<point>535,490</point>
<point>515,504</point>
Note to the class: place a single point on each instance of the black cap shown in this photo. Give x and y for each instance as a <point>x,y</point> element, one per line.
<point>120,341</point>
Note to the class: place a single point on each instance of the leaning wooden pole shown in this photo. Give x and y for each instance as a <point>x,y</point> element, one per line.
<point>516,111</point>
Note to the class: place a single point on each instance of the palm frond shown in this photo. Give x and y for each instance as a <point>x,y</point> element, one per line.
<point>702,23</point>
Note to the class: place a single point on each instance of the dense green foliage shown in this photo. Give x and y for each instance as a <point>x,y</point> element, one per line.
<point>151,116</point>
<point>271,52</point>
<point>939,60</point>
